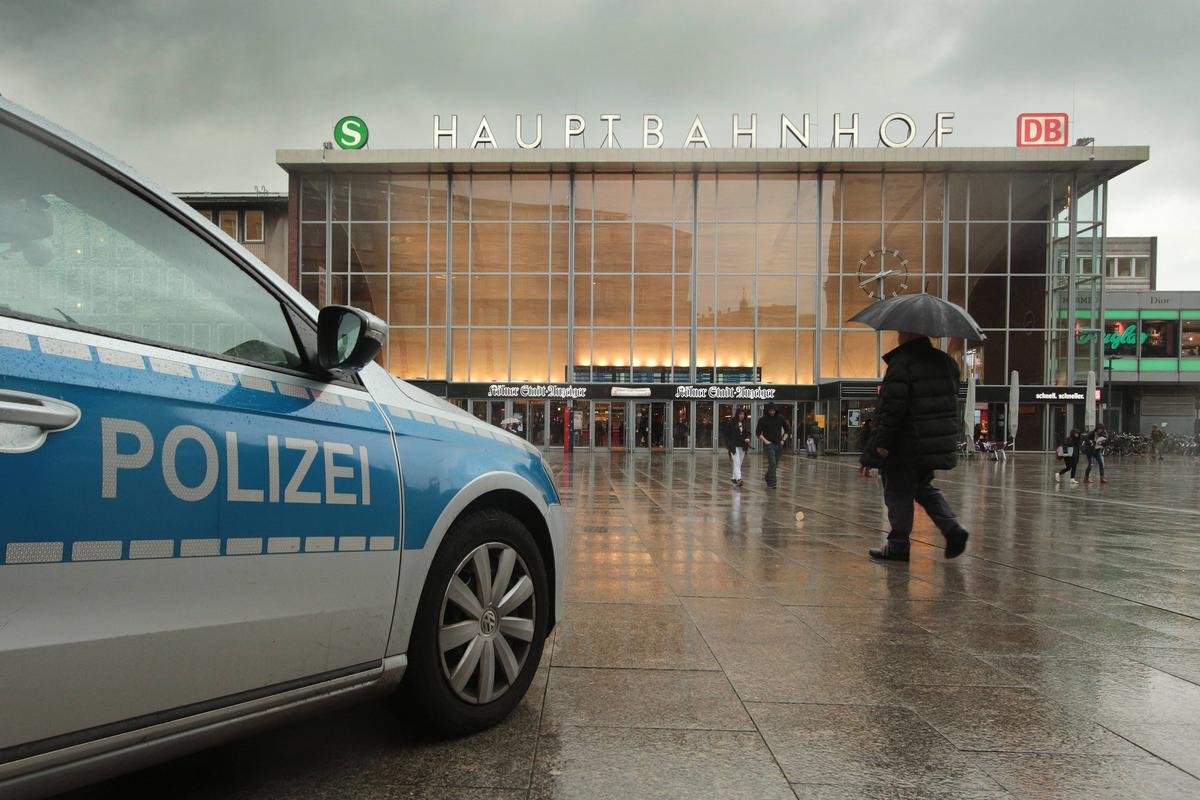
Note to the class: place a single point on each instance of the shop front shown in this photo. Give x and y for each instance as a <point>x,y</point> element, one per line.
<point>657,418</point>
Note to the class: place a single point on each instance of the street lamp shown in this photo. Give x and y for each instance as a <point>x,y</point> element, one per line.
<point>1108,386</point>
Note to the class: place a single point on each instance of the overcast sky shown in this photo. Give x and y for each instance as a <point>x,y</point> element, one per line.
<point>200,95</point>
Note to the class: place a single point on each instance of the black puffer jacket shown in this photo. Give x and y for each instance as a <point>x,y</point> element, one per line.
<point>917,420</point>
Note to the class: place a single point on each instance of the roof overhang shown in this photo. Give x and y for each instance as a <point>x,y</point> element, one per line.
<point>234,198</point>
<point>1101,162</point>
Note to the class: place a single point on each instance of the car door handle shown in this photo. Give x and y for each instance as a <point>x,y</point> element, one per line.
<point>47,413</point>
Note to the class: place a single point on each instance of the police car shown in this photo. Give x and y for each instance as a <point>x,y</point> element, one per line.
<point>216,510</point>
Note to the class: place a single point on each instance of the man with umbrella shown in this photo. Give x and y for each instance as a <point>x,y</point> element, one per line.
<point>916,426</point>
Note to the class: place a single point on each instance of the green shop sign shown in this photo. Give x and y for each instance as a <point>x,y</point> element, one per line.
<point>350,133</point>
<point>1112,340</point>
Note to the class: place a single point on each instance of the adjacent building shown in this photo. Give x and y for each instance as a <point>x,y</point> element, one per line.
<point>257,220</point>
<point>1152,360</point>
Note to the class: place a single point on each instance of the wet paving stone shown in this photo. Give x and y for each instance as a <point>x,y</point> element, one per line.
<point>1176,744</point>
<point>1018,639</point>
<point>1059,777</point>
<point>863,744</point>
<point>1010,719</point>
<point>817,791</point>
<point>633,637</point>
<point>1180,663</point>
<point>1109,690</point>
<point>656,765</point>
<point>633,698</point>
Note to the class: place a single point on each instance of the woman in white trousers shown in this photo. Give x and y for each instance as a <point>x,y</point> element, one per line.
<point>737,442</point>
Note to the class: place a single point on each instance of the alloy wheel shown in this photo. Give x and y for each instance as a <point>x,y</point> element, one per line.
<point>486,623</point>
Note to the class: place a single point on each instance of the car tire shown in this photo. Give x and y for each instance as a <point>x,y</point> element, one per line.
<point>470,661</point>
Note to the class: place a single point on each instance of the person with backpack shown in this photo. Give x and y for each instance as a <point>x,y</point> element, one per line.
<point>737,442</point>
<point>1068,452</point>
<point>1094,450</point>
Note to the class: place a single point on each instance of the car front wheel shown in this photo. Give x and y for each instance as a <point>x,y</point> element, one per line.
<point>480,625</point>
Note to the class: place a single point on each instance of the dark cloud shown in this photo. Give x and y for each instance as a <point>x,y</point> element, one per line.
<point>200,95</point>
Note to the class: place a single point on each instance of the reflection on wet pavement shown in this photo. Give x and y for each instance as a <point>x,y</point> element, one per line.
<point>717,645</point>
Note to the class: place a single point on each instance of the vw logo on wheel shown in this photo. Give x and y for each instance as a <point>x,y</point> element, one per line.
<point>487,623</point>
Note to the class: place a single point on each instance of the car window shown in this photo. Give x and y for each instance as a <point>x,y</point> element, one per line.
<point>76,247</point>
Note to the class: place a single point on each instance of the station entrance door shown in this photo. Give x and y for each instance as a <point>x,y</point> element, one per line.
<point>650,426</point>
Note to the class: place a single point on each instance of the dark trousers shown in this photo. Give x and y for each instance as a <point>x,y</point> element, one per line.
<point>773,451</point>
<point>903,487</point>
<point>1094,458</point>
<point>1070,465</point>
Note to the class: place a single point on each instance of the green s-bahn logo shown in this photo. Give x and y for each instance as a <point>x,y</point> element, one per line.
<point>350,133</point>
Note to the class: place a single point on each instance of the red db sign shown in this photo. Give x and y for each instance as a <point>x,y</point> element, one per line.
<point>1042,130</point>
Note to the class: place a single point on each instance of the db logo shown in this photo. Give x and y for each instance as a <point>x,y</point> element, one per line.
<point>1042,130</point>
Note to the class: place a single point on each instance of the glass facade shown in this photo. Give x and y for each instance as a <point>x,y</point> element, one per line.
<point>704,278</point>
<point>695,277</point>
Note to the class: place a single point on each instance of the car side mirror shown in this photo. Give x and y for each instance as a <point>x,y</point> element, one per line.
<point>347,339</point>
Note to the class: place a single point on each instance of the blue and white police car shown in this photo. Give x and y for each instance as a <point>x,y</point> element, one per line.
<point>216,510</point>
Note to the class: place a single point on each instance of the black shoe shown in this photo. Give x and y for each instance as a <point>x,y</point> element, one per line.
<point>888,553</point>
<point>956,542</point>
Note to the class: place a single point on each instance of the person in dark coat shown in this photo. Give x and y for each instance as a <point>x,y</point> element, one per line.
<point>866,447</point>
<point>916,432</point>
<point>773,431</point>
<point>737,442</point>
<point>1069,452</point>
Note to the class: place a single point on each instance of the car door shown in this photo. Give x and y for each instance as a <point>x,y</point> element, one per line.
<point>189,520</point>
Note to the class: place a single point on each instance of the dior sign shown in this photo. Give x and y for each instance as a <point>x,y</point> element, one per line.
<point>895,130</point>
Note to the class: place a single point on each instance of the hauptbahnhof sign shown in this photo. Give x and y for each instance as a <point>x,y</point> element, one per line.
<point>895,130</point>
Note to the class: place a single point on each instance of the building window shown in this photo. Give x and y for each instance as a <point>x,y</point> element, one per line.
<point>204,212</point>
<point>1128,266</point>
<point>229,223</point>
<point>254,226</point>
<point>1191,339</point>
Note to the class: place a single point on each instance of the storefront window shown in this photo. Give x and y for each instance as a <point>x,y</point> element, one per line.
<point>1160,338</point>
<point>1191,339</point>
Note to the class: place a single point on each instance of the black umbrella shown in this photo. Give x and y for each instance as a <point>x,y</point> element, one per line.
<point>923,314</point>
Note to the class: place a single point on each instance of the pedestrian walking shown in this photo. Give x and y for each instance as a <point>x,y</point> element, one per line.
<point>1094,450</point>
<point>1068,451</point>
<point>864,440</point>
<point>1157,435</point>
<point>737,442</point>
<point>773,431</point>
<point>915,432</point>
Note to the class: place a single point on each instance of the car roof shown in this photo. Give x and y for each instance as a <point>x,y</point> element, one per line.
<point>131,176</point>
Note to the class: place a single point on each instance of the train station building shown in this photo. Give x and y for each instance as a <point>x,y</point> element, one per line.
<point>651,291</point>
